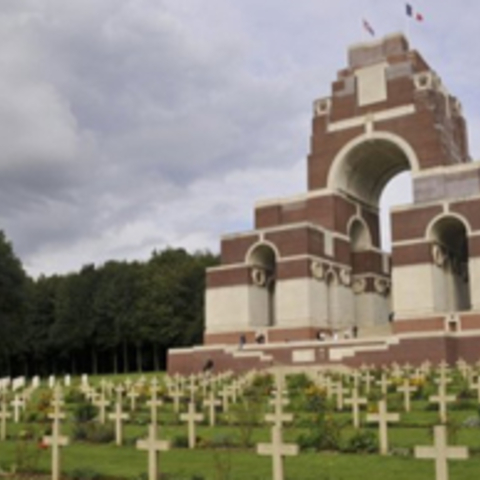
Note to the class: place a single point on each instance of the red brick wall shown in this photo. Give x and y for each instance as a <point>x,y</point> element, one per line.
<point>412,224</point>
<point>234,250</point>
<point>412,254</point>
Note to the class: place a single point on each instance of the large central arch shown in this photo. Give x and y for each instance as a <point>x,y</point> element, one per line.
<point>365,165</point>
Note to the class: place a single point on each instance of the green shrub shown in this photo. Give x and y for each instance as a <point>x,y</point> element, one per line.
<point>84,473</point>
<point>363,441</point>
<point>84,412</point>
<point>325,434</point>
<point>298,382</point>
<point>93,432</point>
<point>223,440</point>
<point>73,395</point>
<point>180,441</point>
<point>463,404</point>
<point>246,414</point>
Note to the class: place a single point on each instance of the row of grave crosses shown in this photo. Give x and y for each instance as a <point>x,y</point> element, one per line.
<point>220,390</point>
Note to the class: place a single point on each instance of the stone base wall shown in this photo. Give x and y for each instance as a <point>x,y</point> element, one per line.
<point>270,334</point>
<point>407,348</point>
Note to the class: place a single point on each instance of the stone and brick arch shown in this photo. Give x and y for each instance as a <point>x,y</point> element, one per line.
<point>387,112</point>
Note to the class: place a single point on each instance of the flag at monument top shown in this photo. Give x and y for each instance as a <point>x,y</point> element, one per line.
<point>413,14</point>
<point>368,28</point>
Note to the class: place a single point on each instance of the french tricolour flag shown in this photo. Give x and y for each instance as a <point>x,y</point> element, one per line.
<point>368,28</point>
<point>413,14</point>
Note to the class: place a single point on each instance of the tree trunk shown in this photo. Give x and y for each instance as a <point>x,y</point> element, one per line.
<point>139,358</point>
<point>156,362</point>
<point>73,366</point>
<point>115,361</point>
<point>125,357</point>
<point>94,361</point>
<point>9,366</point>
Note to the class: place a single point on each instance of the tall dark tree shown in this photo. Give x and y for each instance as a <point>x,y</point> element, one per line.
<point>13,301</point>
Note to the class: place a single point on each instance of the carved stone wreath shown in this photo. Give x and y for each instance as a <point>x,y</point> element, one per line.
<point>382,286</point>
<point>439,256</point>
<point>345,277</point>
<point>259,277</point>
<point>359,285</point>
<point>318,270</point>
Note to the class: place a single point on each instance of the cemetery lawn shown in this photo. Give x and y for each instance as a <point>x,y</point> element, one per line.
<point>126,462</point>
<point>221,453</point>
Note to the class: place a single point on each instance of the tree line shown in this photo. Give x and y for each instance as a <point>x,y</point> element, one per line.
<point>117,317</point>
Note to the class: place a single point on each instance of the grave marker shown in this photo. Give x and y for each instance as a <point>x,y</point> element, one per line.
<point>55,440</point>
<point>17,403</point>
<point>211,402</point>
<point>153,446</point>
<point>355,402</point>
<point>442,399</point>
<point>441,452</point>
<point>382,418</point>
<point>277,450</point>
<point>4,415</point>
<point>154,402</point>
<point>191,417</point>
<point>118,416</point>
<point>406,389</point>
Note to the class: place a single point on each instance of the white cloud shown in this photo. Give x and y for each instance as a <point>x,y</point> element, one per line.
<point>129,125</point>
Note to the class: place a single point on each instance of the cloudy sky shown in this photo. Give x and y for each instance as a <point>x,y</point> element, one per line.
<point>130,125</point>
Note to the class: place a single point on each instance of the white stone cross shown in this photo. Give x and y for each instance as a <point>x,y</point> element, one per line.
<point>4,415</point>
<point>101,403</point>
<point>84,380</point>
<point>397,371</point>
<point>133,395</point>
<point>441,452</point>
<point>356,376</point>
<point>17,403</point>
<point>406,389</point>
<point>476,386</point>
<point>339,391</point>
<point>278,417</point>
<point>191,417</point>
<point>127,383</point>
<point>442,399</point>
<point>329,385</point>
<point>355,402</point>
<point>91,394</point>
<point>118,416</point>
<point>277,450</point>
<point>152,445</point>
<point>154,402</point>
<point>382,418</point>
<point>176,394</point>
<point>443,370</point>
<point>35,381</point>
<point>225,395</point>
<point>367,378</point>
<point>280,382</point>
<point>211,402</point>
<point>384,382</point>
<point>192,387</point>
<point>463,368</point>
<point>55,440</point>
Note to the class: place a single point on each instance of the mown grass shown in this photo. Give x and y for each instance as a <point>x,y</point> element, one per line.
<point>240,463</point>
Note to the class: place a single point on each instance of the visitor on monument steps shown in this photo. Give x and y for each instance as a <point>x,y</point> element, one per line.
<point>259,337</point>
<point>242,341</point>
<point>208,365</point>
<point>355,331</point>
